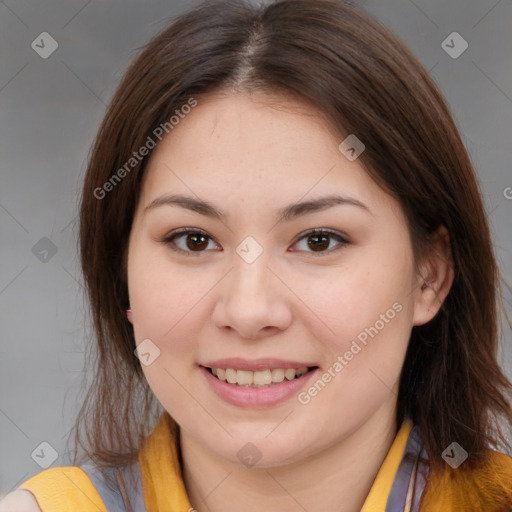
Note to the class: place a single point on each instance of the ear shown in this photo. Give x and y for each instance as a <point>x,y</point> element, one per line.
<point>129,315</point>
<point>435,277</point>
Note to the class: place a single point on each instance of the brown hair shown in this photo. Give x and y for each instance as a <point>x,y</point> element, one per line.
<point>366,82</point>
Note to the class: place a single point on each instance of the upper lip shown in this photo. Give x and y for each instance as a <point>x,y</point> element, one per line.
<point>267,363</point>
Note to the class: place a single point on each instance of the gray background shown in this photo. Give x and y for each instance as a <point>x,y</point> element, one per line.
<point>51,109</point>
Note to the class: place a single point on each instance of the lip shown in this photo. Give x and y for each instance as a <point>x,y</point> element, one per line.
<point>238,363</point>
<point>256,397</point>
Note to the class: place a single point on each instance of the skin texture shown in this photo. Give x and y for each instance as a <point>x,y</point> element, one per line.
<point>19,501</point>
<point>250,156</point>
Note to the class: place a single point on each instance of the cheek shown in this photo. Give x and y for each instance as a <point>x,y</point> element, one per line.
<point>366,314</point>
<point>368,299</point>
<point>364,356</point>
<point>160,296</point>
<point>166,307</point>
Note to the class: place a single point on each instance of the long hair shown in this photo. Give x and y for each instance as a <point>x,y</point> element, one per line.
<point>349,67</point>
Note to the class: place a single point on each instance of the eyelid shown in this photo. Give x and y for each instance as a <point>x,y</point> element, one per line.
<point>321,231</point>
<point>169,238</point>
<point>342,239</point>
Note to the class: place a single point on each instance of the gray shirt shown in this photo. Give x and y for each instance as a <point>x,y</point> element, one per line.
<point>113,497</point>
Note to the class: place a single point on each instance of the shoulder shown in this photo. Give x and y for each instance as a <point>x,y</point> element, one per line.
<point>59,488</point>
<point>486,485</point>
<point>501,459</point>
<point>87,488</point>
<point>19,501</point>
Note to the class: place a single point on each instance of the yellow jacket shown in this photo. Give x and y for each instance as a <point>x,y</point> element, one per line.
<point>402,483</point>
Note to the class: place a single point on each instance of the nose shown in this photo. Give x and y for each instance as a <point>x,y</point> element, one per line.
<point>252,300</point>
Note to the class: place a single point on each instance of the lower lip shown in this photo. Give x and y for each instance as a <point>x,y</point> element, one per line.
<point>256,397</point>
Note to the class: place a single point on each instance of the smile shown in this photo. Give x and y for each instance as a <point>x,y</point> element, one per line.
<point>256,384</point>
<point>258,379</point>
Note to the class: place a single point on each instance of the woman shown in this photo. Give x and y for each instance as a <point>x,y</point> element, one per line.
<point>284,243</point>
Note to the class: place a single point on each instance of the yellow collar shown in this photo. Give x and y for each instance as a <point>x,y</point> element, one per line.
<point>160,469</point>
<point>378,496</point>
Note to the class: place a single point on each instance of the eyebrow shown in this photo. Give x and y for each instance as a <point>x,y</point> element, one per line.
<point>285,214</point>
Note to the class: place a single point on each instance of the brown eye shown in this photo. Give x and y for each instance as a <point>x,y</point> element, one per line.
<point>188,241</point>
<point>196,241</point>
<point>319,241</point>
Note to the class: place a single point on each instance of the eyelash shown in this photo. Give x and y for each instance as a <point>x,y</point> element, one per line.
<point>169,240</point>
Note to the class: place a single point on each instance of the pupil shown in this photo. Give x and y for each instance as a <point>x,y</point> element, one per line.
<point>321,244</point>
<point>194,245</point>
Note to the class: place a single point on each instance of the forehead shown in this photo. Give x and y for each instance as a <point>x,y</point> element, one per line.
<point>252,128</point>
<point>266,149</point>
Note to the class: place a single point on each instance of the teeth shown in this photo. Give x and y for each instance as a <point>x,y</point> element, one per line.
<point>243,378</point>
<point>262,378</point>
<point>231,376</point>
<point>278,375</point>
<point>289,373</point>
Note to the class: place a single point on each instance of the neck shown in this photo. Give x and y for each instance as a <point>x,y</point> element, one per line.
<point>337,478</point>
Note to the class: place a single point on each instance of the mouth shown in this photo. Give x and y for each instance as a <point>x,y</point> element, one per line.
<point>264,378</point>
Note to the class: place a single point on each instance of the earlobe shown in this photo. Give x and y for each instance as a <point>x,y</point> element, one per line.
<point>436,278</point>
<point>129,315</point>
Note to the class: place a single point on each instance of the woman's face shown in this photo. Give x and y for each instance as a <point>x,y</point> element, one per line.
<point>256,293</point>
